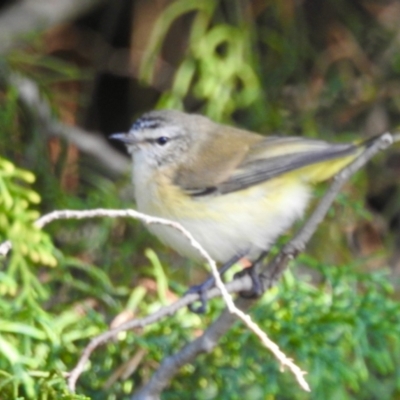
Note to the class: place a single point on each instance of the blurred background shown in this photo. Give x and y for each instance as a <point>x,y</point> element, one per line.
<point>73,72</point>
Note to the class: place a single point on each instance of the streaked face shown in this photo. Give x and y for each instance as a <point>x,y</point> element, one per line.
<point>158,137</point>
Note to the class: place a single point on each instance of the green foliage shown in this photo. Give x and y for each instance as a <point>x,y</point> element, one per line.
<point>219,66</point>
<point>344,332</point>
<point>277,66</point>
<point>30,337</point>
<point>30,244</point>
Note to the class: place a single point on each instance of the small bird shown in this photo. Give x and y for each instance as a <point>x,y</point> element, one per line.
<point>235,191</point>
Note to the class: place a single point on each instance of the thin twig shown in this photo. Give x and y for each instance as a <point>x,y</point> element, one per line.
<point>76,214</point>
<point>304,235</point>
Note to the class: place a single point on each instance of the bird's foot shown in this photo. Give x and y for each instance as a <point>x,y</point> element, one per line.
<point>206,285</point>
<point>201,290</point>
<point>257,286</point>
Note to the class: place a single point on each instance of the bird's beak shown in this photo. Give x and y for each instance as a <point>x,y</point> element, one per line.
<point>125,138</point>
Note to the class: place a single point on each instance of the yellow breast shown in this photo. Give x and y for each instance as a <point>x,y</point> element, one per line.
<point>249,220</point>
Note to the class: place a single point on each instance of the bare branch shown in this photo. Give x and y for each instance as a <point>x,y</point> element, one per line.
<point>297,244</point>
<point>73,214</point>
<point>26,16</point>
<point>92,144</point>
<point>238,285</point>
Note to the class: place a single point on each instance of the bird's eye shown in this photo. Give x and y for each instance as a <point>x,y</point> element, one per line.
<point>162,140</point>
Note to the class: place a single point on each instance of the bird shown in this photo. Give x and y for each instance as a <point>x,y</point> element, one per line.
<point>234,190</point>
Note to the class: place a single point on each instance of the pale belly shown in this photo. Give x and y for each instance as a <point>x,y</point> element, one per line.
<point>243,222</point>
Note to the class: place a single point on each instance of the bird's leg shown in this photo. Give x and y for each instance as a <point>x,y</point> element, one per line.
<point>252,271</point>
<point>207,284</point>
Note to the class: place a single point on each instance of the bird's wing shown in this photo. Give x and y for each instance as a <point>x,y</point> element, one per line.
<point>261,159</point>
<point>275,156</point>
<point>210,166</point>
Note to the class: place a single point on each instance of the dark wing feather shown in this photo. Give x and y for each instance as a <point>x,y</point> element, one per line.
<point>239,159</point>
<point>262,165</point>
